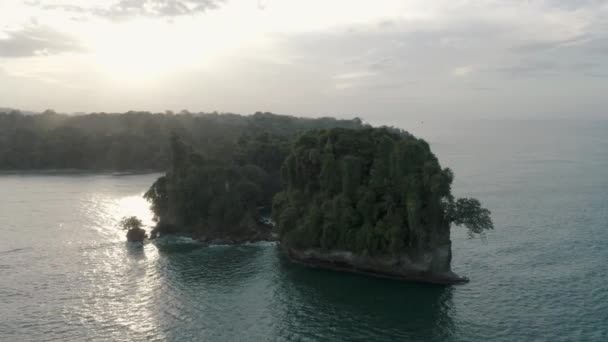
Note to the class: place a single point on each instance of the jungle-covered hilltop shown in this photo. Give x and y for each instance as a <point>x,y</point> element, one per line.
<point>363,199</point>
<point>372,200</point>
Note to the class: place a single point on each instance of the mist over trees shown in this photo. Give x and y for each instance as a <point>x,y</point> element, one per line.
<point>138,140</point>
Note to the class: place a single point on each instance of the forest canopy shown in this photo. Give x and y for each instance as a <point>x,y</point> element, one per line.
<point>138,140</point>
<point>210,194</point>
<point>373,191</point>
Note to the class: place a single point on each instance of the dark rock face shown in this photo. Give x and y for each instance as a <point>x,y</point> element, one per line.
<point>246,232</point>
<point>429,266</point>
<point>250,234</point>
<point>136,235</point>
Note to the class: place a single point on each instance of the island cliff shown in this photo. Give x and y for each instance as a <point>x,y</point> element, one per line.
<point>374,201</point>
<point>369,200</point>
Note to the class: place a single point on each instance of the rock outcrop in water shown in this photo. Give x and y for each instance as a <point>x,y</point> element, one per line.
<point>374,201</point>
<point>133,226</point>
<point>368,200</point>
<point>136,235</point>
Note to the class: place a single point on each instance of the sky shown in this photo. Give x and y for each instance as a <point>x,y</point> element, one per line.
<point>378,60</point>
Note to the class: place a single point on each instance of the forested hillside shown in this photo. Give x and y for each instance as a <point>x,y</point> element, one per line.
<point>373,191</point>
<point>138,140</point>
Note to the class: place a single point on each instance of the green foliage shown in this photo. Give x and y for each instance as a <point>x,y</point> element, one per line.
<point>159,197</point>
<point>132,222</point>
<point>370,191</point>
<point>138,140</point>
<point>203,193</point>
<point>134,229</point>
<point>469,213</point>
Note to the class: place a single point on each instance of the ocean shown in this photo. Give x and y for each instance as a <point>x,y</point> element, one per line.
<point>67,274</point>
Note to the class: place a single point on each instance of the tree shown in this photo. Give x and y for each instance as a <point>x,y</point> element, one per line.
<point>469,213</point>
<point>133,226</point>
<point>137,140</point>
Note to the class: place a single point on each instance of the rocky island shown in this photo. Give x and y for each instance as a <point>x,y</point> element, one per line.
<point>369,200</point>
<point>373,201</point>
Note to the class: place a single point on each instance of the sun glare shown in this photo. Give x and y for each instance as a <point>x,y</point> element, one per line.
<point>141,51</point>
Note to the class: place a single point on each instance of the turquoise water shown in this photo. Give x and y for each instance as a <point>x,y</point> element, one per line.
<point>66,273</point>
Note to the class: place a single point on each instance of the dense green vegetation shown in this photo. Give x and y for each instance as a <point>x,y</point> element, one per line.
<point>134,228</point>
<point>219,196</point>
<point>138,140</point>
<point>374,191</point>
<point>336,184</point>
<point>202,196</point>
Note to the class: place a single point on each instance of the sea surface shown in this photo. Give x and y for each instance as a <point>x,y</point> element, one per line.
<point>66,273</point>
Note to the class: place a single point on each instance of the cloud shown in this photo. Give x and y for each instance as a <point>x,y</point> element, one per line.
<point>336,56</point>
<point>598,46</point>
<point>534,68</point>
<point>573,5</point>
<point>542,45</point>
<point>462,71</point>
<point>35,41</point>
<point>124,9</point>
<point>354,75</point>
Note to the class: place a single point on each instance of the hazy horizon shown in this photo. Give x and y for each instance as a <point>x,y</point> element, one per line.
<point>382,61</point>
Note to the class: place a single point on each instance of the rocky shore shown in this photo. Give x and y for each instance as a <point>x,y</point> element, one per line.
<point>218,236</point>
<point>424,267</point>
<point>261,234</point>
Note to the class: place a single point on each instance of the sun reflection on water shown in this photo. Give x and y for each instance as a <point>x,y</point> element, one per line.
<point>135,206</point>
<point>106,211</point>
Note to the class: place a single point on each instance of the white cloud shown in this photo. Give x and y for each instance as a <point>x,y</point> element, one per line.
<point>316,56</point>
<point>354,75</point>
<point>462,71</point>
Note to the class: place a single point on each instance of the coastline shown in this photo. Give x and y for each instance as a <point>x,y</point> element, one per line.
<point>401,269</point>
<point>257,233</point>
<point>230,241</point>
<point>378,267</point>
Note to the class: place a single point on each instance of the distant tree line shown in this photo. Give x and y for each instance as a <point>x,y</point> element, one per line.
<point>138,140</point>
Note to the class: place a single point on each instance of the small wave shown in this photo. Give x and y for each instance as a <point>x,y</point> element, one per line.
<point>261,243</point>
<point>181,240</point>
<point>549,161</point>
<point>16,250</point>
<point>178,239</point>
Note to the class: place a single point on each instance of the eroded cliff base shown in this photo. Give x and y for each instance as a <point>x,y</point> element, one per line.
<point>399,268</point>
<point>210,235</point>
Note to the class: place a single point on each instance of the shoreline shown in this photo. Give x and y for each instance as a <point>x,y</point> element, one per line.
<point>311,260</point>
<point>371,267</point>
<point>231,242</point>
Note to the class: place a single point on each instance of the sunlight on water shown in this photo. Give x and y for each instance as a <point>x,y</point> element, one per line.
<point>67,273</point>
<point>107,211</point>
<point>135,206</point>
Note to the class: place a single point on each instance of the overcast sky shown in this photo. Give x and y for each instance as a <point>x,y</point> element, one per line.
<point>379,60</point>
